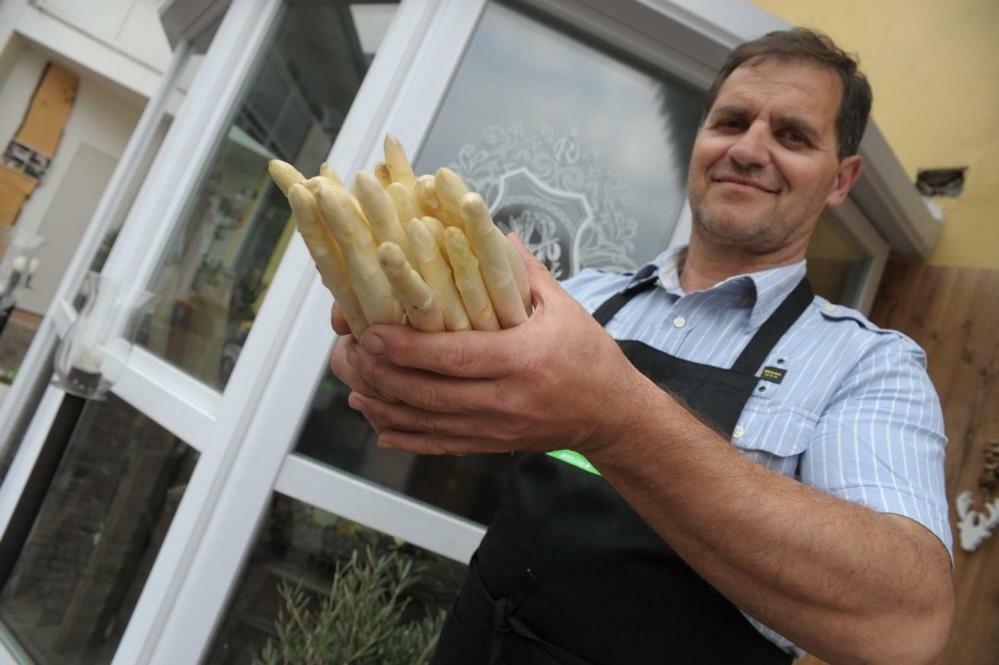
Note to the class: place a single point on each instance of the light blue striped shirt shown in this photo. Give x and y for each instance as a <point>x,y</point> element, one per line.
<point>855,414</point>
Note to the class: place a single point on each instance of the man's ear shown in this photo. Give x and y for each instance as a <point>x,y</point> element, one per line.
<point>846,176</point>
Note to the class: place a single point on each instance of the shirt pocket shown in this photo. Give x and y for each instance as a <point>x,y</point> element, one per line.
<point>774,435</point>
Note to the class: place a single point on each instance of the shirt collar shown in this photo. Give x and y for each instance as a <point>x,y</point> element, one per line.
<point>765,289</point>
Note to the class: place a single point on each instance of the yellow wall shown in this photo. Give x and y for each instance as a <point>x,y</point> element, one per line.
<point>934,68</point>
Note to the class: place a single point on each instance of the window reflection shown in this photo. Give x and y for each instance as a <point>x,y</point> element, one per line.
<point>78,576</point>
<point>469,486</point>
<point>303,546</point>
<point>237,224</point>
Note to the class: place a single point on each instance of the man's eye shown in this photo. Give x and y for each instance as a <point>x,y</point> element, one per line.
<point>731,124</point>
<point>794,137</point>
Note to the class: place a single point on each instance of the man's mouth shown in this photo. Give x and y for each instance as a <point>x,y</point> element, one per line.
<point>745,182</point>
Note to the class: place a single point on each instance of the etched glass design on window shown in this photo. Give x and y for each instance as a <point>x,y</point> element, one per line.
<point>584,154</point>
<point>300,554</point>
<point>78,577</point>
<point>237,224</point>
<point>581,152</point>
<point>836,264</point>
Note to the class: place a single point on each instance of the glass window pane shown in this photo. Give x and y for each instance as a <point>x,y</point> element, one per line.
<point>583,153</point>
<point>469,486</point>
<point>835,261</point>
<point>22,420</point>
<point>17,329</point>
<point>78,576</point>
<point>114,227</point>
<point>302,546</point>
<point>236,225</point>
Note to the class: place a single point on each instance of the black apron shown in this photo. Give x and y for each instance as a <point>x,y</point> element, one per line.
<point>569,574</point>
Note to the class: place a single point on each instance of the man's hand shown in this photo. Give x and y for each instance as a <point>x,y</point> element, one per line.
<point>552,382</point>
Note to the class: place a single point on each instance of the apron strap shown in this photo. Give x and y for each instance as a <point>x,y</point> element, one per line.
<point>762,343</point>
<point>773,329</point>
<point>612,305</point>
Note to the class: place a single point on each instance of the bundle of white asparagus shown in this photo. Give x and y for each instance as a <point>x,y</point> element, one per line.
<point>403,249</point>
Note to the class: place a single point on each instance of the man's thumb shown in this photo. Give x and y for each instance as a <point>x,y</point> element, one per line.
<point>538,276</point>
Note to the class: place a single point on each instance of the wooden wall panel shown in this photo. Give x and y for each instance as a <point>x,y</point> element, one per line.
<point>15,188</point>
<point>28,155</point>
<point>49,110</point>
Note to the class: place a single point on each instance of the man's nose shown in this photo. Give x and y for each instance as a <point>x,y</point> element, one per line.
<point>752,148</point>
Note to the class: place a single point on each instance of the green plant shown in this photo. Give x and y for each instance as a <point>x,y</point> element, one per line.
<point>360,622</point>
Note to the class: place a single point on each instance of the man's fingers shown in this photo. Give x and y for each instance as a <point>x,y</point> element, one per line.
<point>538,276</point>
<point>422,389</point>
<point>404,417</point>
<point>342,368</point>
<point>466,354</point>
<point>429,444</point>
<point>338,322</point>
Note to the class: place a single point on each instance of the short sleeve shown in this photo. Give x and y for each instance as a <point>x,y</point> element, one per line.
<point>880,441</point>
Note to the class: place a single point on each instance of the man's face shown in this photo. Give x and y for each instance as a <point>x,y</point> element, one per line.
<point>765,163</point>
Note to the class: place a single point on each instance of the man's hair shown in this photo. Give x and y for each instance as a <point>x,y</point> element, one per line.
<point>811,46</point>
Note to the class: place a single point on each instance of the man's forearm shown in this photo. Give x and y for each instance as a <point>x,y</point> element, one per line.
<point>842,581</point>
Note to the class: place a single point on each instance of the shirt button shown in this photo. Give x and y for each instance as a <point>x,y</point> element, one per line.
<point>829,308</point>
<point>679,322</point>
<point>738,432</point>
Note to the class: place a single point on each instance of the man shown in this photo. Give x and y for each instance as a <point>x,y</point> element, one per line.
<point>770,464</point>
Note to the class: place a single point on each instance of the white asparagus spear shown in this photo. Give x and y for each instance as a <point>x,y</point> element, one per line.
<point>468,279</point>
<point>437,275</point>
<point>312,184</point>
<point>422,311</point>
<point>519,270</point>
<point>437,231</point>
<point>367,279</point>
<point>397,163</point>
<point>379,210</point>
<point>327,171</point>
<point>382,173</point>
<point>426,194</point>
<point>327,257</point>
<point>450,191</point>
<point>406,208</point>
<point>496,272</point>
<point>405,203</point>
<point>284,175</point>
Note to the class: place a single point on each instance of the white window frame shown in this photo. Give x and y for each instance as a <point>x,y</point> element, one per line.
<point>187,588</point>
<point>33,371</point>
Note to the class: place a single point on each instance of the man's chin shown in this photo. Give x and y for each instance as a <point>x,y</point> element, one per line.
<point>746,235</point>
<point>736,228</point>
